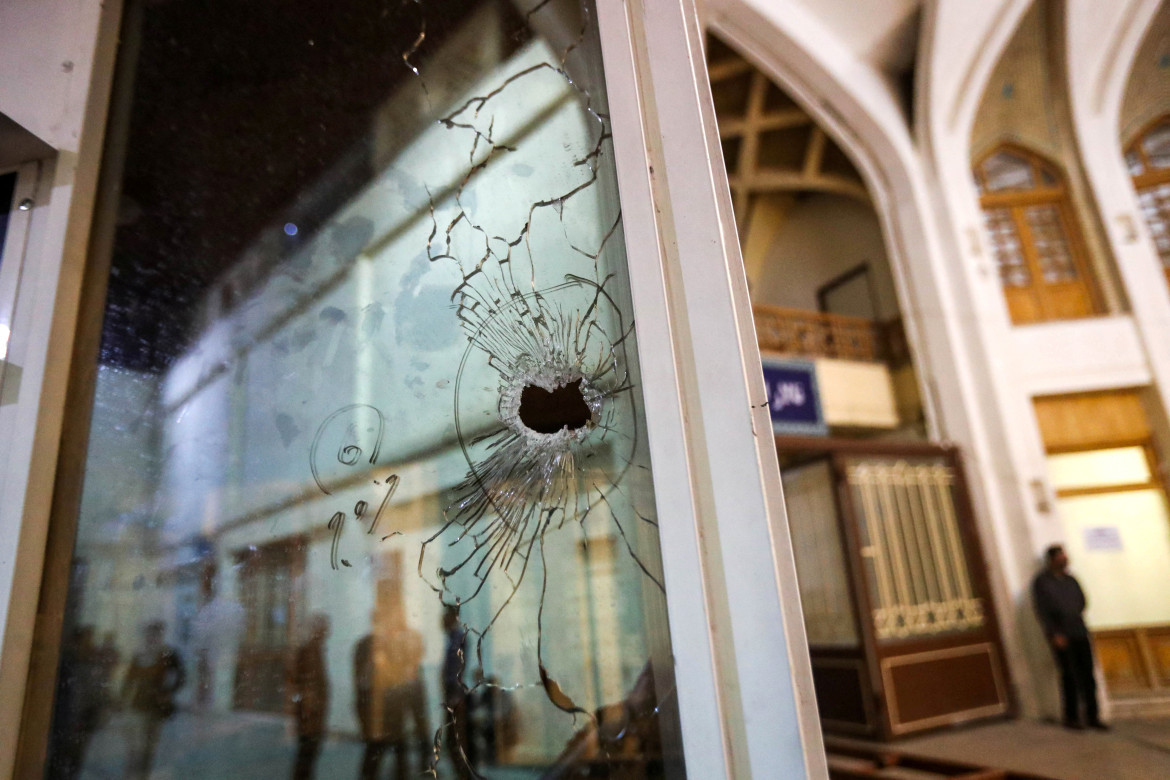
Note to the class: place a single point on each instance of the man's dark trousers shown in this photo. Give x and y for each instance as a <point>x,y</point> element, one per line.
<point>1076,679</point>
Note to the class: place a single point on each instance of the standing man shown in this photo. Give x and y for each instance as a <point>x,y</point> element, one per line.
<point>459,745</point>
<point>1060,607</point>
<point>390,692</point>
<point>369,664</point>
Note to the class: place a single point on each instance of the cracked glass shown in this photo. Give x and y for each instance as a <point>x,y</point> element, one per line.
<point>367,487</point>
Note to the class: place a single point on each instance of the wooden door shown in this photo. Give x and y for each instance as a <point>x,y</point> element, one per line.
<point>828,601</point>
<point>925,609</point>
<point>1061,280</point>
<point>269,583</point>
<point>1041,261</point>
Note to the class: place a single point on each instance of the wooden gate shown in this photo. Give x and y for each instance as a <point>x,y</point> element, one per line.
<point>902,631</point>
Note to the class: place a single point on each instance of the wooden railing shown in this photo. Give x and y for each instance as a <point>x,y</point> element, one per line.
<point>813,334</point>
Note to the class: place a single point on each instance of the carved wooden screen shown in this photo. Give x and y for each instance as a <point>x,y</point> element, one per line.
<point>922,584</point>
<point>901,625</point>
<point>1034,237</point>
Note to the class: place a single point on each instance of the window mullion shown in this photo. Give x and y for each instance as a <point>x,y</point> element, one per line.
<point>1028,248</point>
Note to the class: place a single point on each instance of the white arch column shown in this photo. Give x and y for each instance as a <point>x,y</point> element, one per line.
<point>964,44</point>
<point>1105,38</point>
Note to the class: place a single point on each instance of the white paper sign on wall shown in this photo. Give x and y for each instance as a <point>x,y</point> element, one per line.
<point>1103,538</point>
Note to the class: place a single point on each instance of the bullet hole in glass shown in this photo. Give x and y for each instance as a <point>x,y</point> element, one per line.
<point>552,412</point>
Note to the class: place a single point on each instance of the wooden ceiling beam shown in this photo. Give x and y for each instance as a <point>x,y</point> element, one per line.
<point>732,127</point>
<point>814,153</point>
<point>728,69</point>
<point>781,181</point>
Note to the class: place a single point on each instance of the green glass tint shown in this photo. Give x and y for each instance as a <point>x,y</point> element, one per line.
<point>367,480</point>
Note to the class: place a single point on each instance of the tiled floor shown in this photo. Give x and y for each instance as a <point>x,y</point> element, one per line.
<point>247,747</point>
<point>1133,750</point>
<point>238,747</point>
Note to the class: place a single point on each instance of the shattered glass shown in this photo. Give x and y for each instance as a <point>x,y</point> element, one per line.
<point>367,478</point>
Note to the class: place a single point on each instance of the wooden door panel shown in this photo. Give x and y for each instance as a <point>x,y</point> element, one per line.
<point>260,680</point>
<point>1159,640</point>
<point>1121,662</point>
<point>944,686</point>
<point>270,585</point>
<point>843,690</point>
<point>1023,305</point>
<point>1066,301</point>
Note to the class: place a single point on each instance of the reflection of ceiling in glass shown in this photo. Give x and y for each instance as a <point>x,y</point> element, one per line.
<point>231,124</point>
<point>399,376</point>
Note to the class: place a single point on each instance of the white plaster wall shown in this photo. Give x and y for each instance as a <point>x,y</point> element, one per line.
<point>822,237</point>
<point>1103,39</point>
<point>1056,357</point>
<point>46,51</point>
<point>979,372</point>
<point>1078,356</point>
<point>961,47</point>
<point>123,453</point>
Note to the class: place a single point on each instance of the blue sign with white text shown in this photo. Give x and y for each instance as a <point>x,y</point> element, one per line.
<point>793,401</point>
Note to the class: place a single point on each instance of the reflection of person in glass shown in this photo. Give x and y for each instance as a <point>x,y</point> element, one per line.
<point>80,703</point>
<point>390,692</point>
<point>455,693</point>
<point>155,675</point>
<point>309,686</point>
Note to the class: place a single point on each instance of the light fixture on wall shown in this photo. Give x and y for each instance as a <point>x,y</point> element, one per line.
<point>1040,495</point>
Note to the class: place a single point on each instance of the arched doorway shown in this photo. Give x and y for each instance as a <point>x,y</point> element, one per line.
<point>893,587</point>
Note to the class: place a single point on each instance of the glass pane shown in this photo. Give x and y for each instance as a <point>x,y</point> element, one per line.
<point>1007,248</point>
<point>1133,162</point>
<point>912,546</point>
<point>1155,203</point>
<point>1008,171</point>
<point>1119,549</point>
<point>368,478</point>
<point>1051,243</point>
<point>819,550</point>
<point>1156,145</point>
<point>1099,468</point>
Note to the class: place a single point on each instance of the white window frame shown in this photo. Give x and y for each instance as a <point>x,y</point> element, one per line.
<point>744,682</point>
<point>741,625</point>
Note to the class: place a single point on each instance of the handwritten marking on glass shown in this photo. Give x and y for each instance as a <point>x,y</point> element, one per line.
<point>346,423</point>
